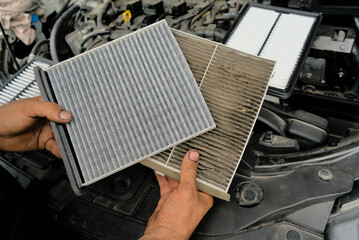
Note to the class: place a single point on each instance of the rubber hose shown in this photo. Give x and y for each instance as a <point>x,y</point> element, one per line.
<point>355,54</point>
<point>217,34</point>
<point>37,46</point>
<point>91,35</point>
<point>62,10</point>
<point>57,34</point>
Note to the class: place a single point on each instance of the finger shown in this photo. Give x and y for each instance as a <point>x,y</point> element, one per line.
<point>39,98</point>
<point>173,183</point>
<point>51,146</point>
<point>164,185</point>
<point>189,169</point>
<point>51,111</point>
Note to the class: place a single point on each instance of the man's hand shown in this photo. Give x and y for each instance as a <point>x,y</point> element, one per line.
<point>181,206</point>
<point>25,125</point>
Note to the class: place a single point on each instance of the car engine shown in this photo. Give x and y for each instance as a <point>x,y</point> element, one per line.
<point>298,177</point>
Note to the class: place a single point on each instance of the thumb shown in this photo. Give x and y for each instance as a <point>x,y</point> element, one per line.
<point>189,169</point>
<point>49,110</point>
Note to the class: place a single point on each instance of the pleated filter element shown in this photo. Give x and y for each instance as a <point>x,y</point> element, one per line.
<point>131,98</point>
<point>279,34</point>
<point>233,85</point>
<point>23,84</point>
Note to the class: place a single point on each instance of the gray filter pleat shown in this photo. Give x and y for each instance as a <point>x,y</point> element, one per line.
<point>198,56</point>
<point>131,98</point>
<point>233,84</point>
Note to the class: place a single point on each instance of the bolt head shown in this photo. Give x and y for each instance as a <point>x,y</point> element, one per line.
<point>325,174</point>
<point>248,194</point>
<point>268,137</point>
<point>293,235</point>
<point>121,184</point>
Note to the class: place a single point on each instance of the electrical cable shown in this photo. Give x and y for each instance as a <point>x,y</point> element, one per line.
<point>91,35</point>
<point>38,45</point>
<point>9,47</point>
<point>195,18</point>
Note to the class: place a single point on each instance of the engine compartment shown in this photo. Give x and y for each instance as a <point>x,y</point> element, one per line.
<point>299,171</point>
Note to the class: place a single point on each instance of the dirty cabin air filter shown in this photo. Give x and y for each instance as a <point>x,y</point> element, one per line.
<point>131,98</point>
<point>233,84</point>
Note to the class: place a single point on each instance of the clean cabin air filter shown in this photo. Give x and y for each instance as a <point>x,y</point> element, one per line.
<point>278,34</point>
<point>131,98</point>
<point>233,85</point>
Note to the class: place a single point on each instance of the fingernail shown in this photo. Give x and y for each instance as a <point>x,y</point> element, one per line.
<point>65,115</point>
<point>193,156</point>
<point>159,173</point>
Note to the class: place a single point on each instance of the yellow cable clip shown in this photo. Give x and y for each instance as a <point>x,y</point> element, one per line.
<point>127,16</point>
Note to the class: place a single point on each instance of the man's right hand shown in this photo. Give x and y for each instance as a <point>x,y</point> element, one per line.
<point>181,206</point>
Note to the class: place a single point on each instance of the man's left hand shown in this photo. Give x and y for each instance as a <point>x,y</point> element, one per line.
<point>25,125</point>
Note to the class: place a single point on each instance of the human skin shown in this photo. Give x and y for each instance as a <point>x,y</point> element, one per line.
<point>181,206</point>
<point>25,125</point>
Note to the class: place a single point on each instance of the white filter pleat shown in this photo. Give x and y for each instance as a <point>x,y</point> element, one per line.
<point>285,46</point>
<point>23,85</point>
<point>277,36</point>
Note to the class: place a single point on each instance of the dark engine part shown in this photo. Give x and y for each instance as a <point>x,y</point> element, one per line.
<point>135,7</point>
<point>294,130</point>
<point>206,19</point>
<point>306,131</point>
<point>331,71</point>
<point>270,143</point>
<point>301,160</point>
<point>307,194</point>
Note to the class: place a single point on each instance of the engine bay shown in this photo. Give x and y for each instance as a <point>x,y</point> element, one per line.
<point>297,178</point>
